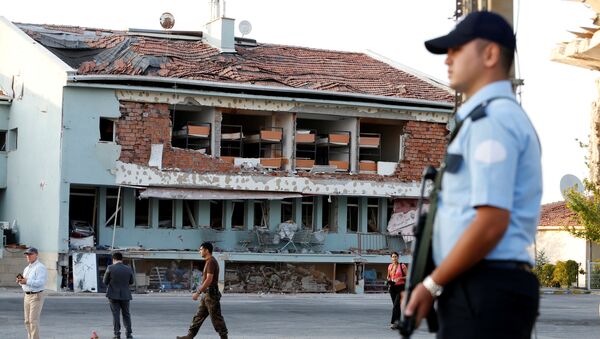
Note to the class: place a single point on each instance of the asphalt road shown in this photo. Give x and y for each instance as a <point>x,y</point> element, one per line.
<point>266,316</point>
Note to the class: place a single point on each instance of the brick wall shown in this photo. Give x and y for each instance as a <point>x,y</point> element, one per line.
<point>144,124</point>
<point>425,145</point>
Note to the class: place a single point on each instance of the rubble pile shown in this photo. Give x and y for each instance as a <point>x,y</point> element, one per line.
<point>274,278</point>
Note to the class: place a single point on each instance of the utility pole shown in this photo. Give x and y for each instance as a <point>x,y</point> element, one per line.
<point>502,7</point>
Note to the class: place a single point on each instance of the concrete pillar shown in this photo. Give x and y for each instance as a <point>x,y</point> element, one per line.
<point>228,206</point>
<point>249,214</point>
<point>383,217</point>
<point>342,221</point>
<point>153,207</point>
<point>318,213</point>
<point>178,213</point>
<point>297,211</point>
<point>363,216</point>
<point>128,213</point>
<point>274,214</point>
<point>101,216</point>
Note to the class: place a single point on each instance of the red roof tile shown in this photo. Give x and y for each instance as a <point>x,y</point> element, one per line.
<point>120,53</point>
<point>557,214</point>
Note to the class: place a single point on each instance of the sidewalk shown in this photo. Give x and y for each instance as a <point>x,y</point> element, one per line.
<point>554,290</point>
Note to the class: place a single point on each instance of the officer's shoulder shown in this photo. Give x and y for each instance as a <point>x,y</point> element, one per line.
<point>503,106</point>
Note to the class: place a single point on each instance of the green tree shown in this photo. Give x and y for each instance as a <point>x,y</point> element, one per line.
<point>560,274</point>
<point>545,274</point>
<point>541,259</point>
<point>586,206</point>
<point>572,271</point>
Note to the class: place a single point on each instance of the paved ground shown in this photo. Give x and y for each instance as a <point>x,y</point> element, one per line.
<point>267,316</point>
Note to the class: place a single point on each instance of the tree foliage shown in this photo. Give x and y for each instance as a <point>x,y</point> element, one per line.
<point>561,275</point>
<point>586,206</point>
<point>545,274</point>
<point>572,270</point>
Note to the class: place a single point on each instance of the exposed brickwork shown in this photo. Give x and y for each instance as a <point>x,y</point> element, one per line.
<point>143,124</point>
<point>425,145</point>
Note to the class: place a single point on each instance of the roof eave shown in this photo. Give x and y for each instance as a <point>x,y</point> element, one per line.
<point>154,81</point>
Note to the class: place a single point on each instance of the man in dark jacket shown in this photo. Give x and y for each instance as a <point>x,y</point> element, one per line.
<point>117,279</point>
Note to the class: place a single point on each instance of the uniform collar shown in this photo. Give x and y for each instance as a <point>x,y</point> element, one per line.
<point>494,89</point>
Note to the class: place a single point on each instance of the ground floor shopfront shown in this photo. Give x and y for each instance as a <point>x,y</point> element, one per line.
<point>164,271</point>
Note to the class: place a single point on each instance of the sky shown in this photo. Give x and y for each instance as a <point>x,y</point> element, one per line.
<point>557,97</point>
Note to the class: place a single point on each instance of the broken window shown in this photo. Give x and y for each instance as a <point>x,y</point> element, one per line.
<point>237,215</point>
<point>2,141</point>
<point>165,214</point>
<point>142,212</point>
<point>260,213</point>
<point>216,214</point>
<point>307,212</point>
<point>13,135</point>
<point>328,213</point>
<point>374,134</point>
<point>373,215</point>
<point>390,209</point>
<point>82,208</point>
<point>189,221</point>
<point>112,211</point>
<point>191,129</point>
<point>352,214</point>
<point>107,130</point>
<point>287,210</point>
<point>252,135</point>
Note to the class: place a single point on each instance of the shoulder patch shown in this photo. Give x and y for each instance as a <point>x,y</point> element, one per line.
<point>479,113</point>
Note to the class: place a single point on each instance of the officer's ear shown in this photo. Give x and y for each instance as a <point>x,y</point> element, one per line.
<point>491,53</point>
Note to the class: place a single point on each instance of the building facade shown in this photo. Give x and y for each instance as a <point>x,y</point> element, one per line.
<point>295,162</point>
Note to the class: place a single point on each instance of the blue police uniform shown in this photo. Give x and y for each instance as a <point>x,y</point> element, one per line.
<point>494,160</point>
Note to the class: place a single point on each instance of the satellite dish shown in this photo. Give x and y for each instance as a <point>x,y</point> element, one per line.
<point>569,181</point>
<point>167,20</point>
<point>245,27</point>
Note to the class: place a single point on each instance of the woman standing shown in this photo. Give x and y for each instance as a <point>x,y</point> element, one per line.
<point>396,278</point>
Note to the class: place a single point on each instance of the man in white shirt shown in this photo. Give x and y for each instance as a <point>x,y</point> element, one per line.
<point>32,282</point>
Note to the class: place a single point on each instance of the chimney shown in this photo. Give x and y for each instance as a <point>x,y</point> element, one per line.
<point>220,30</point>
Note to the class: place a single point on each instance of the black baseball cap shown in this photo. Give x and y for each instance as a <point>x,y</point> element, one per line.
<point>484,25</point>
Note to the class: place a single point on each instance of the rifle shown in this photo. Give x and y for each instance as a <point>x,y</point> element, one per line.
<point>422,263</point>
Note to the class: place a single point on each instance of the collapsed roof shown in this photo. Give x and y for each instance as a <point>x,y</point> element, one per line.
<point>111,52</point>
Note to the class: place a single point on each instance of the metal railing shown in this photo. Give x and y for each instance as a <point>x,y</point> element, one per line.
<point>379,243</point>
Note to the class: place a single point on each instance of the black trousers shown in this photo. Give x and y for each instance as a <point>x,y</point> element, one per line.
<point>117,307</point>
<point>395,292</point>
<point>489,303</point>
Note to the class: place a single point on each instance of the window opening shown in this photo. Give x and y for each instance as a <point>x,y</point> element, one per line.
<point>107,130</point>
<point>216,214</point>
<point>373,215</point>
<point>352,214</point>
<point>237,215</point>
<point>165,214</point>
<point>307,212</point>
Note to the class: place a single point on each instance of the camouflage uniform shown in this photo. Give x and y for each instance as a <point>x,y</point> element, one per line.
<point>209,305</point>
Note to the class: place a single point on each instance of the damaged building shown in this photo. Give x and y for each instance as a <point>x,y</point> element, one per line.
<point>301,165</point>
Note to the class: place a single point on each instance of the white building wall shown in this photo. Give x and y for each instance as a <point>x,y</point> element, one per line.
<point>559,245</point>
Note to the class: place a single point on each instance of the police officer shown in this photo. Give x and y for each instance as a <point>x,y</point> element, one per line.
<point>490,196</point>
